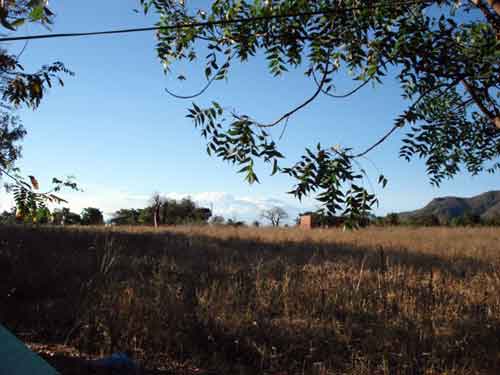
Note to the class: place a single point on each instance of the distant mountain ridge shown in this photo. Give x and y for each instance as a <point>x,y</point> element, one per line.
<point>485,205</point>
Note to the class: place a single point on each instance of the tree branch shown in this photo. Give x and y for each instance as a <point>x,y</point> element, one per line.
<point>293,111</point>
<point>493,19</point>
<point>225,22</point>
<point>492,116</point>
<point>376,144</point>
<point>495,4</point>
<point>398,124</point>
<point>353,91</point>
<point>3,171</point>
<point>25,186</point>
<point>207,85</point>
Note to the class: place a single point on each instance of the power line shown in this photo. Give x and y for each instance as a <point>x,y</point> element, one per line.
<point>208,23</point>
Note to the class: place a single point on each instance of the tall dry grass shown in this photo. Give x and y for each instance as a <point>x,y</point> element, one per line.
<point>243,300</point>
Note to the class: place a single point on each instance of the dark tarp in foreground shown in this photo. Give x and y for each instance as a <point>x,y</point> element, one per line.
<point>17,359</point>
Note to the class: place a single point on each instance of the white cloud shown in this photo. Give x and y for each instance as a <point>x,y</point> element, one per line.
<point>6,202</point>
<point>247,208</point>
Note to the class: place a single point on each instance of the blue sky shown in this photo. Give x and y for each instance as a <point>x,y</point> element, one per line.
<point>115,129</point>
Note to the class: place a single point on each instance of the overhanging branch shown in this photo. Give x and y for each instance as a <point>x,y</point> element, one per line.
<point>207,85</point>
<point>287,115</point>
<point>378,143</point>
<point>399,124</point>
<point>494,117</point>
<point>343,96</point>
<point>493,19</point>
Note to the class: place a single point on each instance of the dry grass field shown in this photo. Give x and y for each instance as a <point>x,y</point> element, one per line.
<point>260,301</point>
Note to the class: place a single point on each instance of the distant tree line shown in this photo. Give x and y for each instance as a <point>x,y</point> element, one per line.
<point>163,211</point>
<point>159,211</point>
<point>394,219</point>
<point>59,216</point>
<point>431,220</point>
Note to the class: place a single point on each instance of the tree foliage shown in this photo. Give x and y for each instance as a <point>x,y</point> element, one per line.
<point>392,219</point>
<point>11,133</point>
<point>444,54</point>
<point>274,215</point>
<point>92,216</point>
<point>217,220</point>
<point>17,86</point>
<point>63,216</point>
<point>20,88</point>
<point>15,13</point>
<point>163,211</point>
<point>8,217</point>
<point>30,199</point>
<point>126,216</point>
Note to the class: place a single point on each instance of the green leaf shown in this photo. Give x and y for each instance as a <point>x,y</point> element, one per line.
<point>19,22</point>
<point>7,24</point>
<point>275,167</point>
<point>37,13</point>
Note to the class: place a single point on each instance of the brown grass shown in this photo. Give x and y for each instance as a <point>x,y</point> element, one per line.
<point>241,300</point>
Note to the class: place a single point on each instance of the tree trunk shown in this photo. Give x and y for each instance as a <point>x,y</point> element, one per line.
<point>156,216</point>
<point>493,19</point>
<point>494,118</point>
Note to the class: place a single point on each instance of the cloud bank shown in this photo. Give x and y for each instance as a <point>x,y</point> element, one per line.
<point>246,208</point>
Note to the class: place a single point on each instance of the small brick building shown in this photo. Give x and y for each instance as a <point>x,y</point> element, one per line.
<point>311,221</point>
<point>306,222</point>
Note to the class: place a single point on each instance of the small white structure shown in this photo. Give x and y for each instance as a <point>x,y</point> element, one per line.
<point>17,359</point>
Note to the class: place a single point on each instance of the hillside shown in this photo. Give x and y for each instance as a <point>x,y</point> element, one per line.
<point>486,205</point>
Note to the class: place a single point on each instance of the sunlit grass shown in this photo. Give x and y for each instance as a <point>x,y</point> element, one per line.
<point>259,300</point>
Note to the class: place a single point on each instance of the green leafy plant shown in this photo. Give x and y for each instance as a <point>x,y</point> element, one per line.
<point>31,203</point>
<point>17,88</point>
<point>92,216</point>
<point>15,13</point>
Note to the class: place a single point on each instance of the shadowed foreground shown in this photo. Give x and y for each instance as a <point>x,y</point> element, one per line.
<point>245,301</point>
